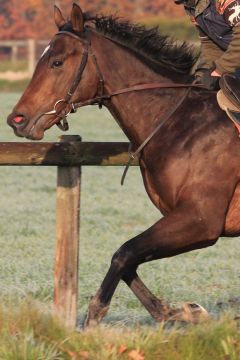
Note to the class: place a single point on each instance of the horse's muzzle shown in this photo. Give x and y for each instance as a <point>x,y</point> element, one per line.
<point>18,122</point>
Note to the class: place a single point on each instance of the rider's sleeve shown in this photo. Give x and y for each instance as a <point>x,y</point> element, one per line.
<point>230,60</point>
<point>209,52</point>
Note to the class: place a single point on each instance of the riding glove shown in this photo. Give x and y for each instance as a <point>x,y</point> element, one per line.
<point>203,77</point>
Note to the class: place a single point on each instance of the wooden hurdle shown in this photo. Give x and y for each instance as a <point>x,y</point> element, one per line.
<point>69,155</point>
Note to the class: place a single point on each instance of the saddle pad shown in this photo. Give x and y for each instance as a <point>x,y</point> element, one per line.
<point>230,86</point>
<point>227,106</point>
<point>225,103</point>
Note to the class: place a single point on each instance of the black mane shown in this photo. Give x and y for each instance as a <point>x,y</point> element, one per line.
<point>149,45</point>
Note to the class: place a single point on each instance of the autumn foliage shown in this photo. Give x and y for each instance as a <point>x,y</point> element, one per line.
<point>34,18</point>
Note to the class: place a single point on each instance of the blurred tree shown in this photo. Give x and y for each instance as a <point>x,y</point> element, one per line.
<point>34,18</point>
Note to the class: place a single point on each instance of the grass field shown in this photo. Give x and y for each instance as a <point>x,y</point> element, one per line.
<point>32,334</point>
<point>110,215</point>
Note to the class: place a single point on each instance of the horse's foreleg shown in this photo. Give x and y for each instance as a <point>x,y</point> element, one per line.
<point>99,303</point>
<point>184,229</point>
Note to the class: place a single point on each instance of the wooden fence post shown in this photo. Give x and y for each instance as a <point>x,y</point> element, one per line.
<point>14,53</point>
<point>67,241</point>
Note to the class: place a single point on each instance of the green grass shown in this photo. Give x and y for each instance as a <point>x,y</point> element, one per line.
<point>31,333</point>
<point>110,215</point>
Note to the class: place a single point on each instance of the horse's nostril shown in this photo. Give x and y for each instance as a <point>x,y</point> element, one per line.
<point>19,119</point>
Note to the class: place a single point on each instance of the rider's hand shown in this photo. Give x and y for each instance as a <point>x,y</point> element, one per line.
<point>215,73</point>
<point>208,78</point>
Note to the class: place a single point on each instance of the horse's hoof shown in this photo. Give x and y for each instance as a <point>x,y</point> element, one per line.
<point>96,313</point>
<point>190,313</point>
<point>90,323</point>
<point>194,313</point>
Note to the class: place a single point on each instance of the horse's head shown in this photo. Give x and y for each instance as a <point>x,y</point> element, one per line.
<point>64,74</point>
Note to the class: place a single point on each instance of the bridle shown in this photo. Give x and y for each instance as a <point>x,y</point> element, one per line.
<point>71,107</point>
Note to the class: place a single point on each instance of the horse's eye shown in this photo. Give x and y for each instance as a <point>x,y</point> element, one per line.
<point>57,63</point>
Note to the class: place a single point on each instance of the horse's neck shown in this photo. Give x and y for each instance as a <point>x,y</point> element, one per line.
<point>139,112</point>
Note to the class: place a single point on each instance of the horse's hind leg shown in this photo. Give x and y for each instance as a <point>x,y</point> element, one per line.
<point>184,229</point>
<point>158,309</point>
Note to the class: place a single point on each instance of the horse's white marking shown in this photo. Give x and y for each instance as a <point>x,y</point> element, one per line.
<point>235,16</point>
<point>44,52</point>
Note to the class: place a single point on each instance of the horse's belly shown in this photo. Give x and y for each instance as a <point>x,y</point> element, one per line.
<point>232,223</point>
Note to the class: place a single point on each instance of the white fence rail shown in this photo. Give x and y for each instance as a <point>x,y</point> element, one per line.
<point>30,47</point>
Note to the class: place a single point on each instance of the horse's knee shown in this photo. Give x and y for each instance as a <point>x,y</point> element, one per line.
<point>121,258</point>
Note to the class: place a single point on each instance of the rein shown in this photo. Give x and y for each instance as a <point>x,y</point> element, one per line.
<point>71,106</point>
<point>140,87</point>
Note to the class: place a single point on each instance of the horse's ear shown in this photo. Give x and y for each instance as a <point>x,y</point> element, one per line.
<point>59,19</point>
<point>77,19</point>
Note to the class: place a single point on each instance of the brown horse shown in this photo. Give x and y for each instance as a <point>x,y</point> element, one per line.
<point>190,167</point>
